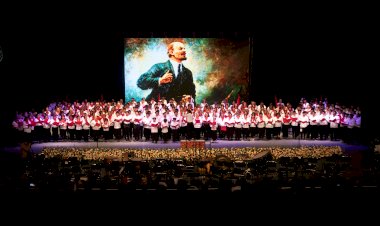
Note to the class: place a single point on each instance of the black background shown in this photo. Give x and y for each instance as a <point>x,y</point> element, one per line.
<point>70,51</point>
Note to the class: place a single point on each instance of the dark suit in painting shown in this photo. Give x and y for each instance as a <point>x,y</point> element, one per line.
<point>181,85</point>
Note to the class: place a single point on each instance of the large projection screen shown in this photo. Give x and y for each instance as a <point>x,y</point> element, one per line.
<point>219,66</point>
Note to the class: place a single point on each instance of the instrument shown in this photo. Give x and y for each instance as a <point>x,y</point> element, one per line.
<point>261,154</point>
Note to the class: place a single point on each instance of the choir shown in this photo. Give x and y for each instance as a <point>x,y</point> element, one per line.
<point>168,120</point>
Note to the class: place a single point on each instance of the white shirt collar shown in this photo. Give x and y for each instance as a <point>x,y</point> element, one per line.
<point>175,67</point>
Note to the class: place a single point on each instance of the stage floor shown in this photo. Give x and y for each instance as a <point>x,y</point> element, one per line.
<point>346,148</point>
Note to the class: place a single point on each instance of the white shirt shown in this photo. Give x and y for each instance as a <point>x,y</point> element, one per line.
<point>175,67</point>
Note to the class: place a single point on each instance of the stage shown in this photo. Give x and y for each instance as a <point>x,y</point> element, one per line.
<point>38,147</point>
